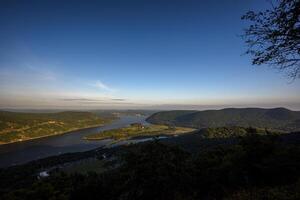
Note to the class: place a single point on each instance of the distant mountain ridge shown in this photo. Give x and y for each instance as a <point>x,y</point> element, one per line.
<point>275,118</point>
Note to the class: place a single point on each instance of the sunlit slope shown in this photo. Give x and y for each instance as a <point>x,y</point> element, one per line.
<point>277,118</point>
<point>138,131</point>
<point>24,126</point>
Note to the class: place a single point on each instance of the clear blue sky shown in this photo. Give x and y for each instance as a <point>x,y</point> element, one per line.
<point>133,54</point>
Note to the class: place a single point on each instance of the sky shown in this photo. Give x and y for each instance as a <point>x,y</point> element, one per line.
<point>133,54</point>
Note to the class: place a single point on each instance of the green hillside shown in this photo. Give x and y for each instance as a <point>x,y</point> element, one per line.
<point>277,118</point>
<point>24,126</point>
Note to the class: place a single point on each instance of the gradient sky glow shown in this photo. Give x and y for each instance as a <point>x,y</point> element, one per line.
<point>161,54</point>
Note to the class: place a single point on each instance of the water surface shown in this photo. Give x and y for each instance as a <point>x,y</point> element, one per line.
<point>21,152</point>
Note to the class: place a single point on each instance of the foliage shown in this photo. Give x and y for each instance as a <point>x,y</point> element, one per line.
<point>277,118</point>
<point>136,130</point>
<point>258,167</point>
<point>274,36</point>
<point>234,131</point>
<point>23,126</point>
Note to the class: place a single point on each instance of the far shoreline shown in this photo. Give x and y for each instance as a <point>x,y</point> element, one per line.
<point>56,134</point>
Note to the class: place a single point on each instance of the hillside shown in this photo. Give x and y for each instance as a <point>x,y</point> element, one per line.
<point>24,126</point>
<point>183,167</point>
<point>276,118</point>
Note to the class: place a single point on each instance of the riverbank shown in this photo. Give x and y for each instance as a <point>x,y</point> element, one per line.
<point>18,127</point>
<point>55,134</point>
<point>187,160</point>
<point>26,151</point>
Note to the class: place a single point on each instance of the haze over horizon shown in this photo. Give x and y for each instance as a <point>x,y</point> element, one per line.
<point>133,55</point>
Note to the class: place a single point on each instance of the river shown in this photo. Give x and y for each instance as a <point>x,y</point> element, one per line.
<point>22,152</point>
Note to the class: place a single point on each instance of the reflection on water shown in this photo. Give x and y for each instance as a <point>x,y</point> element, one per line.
<point>17,153</point>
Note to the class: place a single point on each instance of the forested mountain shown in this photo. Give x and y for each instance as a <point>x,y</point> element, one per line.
<point>276,118</point>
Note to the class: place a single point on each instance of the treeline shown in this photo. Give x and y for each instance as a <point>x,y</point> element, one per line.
<point>257,167</point>
<point>276,118</point>
<point>235,131</point>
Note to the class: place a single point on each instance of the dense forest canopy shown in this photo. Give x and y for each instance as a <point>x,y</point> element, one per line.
<point>278,118</point>
<point>255,167</point>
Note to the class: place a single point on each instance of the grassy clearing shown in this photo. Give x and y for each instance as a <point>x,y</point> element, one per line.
<point>136,130</point>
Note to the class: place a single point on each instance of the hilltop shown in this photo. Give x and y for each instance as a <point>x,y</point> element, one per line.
<point>277,118</point>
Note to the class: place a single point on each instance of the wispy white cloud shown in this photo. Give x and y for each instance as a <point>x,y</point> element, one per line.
<point>27,73</point>
<point>42,73</point>
<point>82,100</point>
<point>100,85</point>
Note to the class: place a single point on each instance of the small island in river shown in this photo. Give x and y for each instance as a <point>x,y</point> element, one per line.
<point>138,130</point>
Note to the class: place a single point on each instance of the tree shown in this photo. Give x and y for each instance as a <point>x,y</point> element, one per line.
<point>273,36</point>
